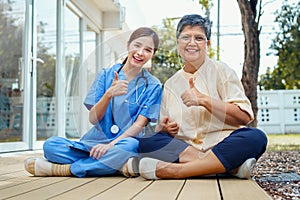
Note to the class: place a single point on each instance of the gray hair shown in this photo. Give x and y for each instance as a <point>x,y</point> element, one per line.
<point>194,20</point>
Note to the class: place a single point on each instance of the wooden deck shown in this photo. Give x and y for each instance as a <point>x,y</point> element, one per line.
<point>16,183</point>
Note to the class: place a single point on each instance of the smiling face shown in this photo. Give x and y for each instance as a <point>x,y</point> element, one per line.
<point>140,50</point>
<point>192,46</point>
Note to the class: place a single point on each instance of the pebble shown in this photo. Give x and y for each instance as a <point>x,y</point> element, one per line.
<point>274,163</point>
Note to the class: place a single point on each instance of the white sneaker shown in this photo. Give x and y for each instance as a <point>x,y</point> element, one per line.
<point>246,168</point>
<point>130,168</point>
<point>147,168</point>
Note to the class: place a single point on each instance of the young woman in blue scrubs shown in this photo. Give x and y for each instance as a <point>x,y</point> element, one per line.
<point>121,101</point>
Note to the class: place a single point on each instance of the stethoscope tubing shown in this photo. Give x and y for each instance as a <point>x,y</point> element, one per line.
<point>136,90</point>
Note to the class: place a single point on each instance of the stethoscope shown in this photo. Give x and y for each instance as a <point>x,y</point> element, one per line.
<point>114,128</point>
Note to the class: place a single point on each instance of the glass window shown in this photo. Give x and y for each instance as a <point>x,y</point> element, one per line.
<point>89,61</point>
<point>46,71</point>
<point>72,66</point>
<point>12,18</point>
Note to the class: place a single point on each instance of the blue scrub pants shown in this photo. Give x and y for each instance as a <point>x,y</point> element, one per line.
<point>57,150</point>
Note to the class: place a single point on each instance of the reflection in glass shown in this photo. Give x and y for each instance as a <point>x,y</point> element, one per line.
<point>89,62</point>
<point>72,62</point>
<point>11,63</point>
<point>46,50</point>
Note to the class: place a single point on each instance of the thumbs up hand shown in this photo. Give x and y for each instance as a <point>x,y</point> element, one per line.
<point>171,128</point>
<point>191,83</point>
<point>165,121</point>
<point>192,96</point>
<point>118,87</point>
<point>116,78</point>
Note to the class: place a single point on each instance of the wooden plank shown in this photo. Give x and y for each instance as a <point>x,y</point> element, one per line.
<point>11,168</point>
<point>12,175</point>
<point>161,189</point>
<point>29,186</point>
<point>14,164</point>
<point>51,190</point>
<point>242,189</point>
<point>125,190</point>
<point>16,183</point>
<point>10,160</point>
<point>17,180</point>
<point>90,189</point>
<point>200,189</point>
<point>13,158</point>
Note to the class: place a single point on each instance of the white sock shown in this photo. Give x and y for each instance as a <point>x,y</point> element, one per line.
<point>42,167</point>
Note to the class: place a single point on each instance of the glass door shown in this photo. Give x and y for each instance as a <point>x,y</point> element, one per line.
<point>27,70</point>
<point>42,83</point>
<point>45,70</point>
<point>12,25</point>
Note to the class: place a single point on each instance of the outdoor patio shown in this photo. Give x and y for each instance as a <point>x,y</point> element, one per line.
<point>16,183</point>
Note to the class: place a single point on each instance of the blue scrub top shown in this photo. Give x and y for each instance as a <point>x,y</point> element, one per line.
<point>126,109</point>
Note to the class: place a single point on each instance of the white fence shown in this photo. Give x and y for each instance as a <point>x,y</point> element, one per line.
<point>279,111</point>
<point>46,116</point>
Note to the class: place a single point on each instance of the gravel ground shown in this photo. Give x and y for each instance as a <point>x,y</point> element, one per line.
<point>270,170</point>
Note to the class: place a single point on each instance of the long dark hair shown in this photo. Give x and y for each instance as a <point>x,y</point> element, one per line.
<point>144,32</point>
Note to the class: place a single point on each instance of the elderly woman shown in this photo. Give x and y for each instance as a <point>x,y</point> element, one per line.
<point>203,115</point>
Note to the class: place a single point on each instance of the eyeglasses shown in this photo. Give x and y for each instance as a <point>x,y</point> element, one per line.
<point>199,39</point>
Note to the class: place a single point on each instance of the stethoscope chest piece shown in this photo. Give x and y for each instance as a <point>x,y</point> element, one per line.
<point>114,129</point>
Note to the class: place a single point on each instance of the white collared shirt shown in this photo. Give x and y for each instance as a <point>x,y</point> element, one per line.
<point>198,126</point>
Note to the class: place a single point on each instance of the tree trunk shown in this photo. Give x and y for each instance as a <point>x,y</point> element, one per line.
<point>252,52</point>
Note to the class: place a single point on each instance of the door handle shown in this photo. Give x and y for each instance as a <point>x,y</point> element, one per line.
<point>37,60</point>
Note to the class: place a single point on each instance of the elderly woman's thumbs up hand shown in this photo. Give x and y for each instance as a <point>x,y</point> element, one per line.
<point>192,96</point>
